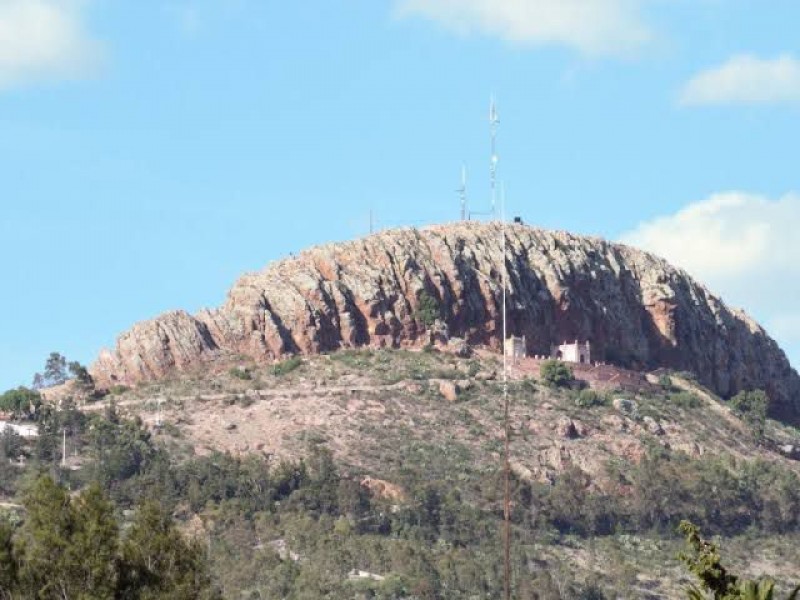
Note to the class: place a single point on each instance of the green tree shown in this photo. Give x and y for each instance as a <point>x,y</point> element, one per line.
<point>556,374</point>
<point>43,541</point>
<point>159,563</point>
<point>8,565</point>
<point>716,582</point>
<point>752,407</point>
<point>55,369</point>
<point>81,375</point>
<point>20,401</point>
<point>92,552</point>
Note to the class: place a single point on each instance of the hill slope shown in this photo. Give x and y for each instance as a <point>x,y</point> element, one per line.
<point>636,309</point>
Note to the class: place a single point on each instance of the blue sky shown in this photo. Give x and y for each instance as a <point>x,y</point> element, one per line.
<point>151,152</point>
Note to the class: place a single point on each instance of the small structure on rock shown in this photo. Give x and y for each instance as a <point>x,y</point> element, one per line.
<point>573,353</point>
<point>515,347</point>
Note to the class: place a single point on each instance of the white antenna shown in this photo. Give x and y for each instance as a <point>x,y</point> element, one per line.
<point>462,193</point>
<point>64,448</point>
<point>494,121</point>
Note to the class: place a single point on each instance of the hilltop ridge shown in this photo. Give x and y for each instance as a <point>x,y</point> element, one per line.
<point>636,309</point>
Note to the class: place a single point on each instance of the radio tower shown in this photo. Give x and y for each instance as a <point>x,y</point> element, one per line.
<point>462,193</point>
<point>494,121</point>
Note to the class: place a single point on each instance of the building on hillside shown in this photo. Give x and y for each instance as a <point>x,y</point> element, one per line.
<point>25,430</point>
<point>573,353</point>
<point>515,347</point>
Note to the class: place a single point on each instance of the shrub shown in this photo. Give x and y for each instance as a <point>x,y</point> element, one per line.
<point>242,373</point>
<point>752,407</point>
<point>556,374</point>
<point>428,309</point>
<point>589,398</point>
<point>287,366</point>
<point>685,400</point>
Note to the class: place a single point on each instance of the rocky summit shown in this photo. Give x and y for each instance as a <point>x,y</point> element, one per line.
<point>635,309</point>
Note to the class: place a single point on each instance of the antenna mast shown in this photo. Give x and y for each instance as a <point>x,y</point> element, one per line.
<point>462,193</point>
<point>494,121</point>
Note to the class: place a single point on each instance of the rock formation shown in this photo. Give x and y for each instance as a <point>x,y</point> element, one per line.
<point>636,309</point>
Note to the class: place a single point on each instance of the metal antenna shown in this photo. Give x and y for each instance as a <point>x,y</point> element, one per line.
<point>506,418</point>
<point>462,193</point>
<point>494,121</point>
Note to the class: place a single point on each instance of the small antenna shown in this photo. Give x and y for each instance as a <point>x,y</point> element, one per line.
<point>371,222</point>
<point>64,448</point>
<point>494,121</point>
<point>462,193</point>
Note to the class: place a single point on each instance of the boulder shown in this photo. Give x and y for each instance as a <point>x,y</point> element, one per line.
<point>449,390</point>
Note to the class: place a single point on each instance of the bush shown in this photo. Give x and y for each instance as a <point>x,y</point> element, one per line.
<point>428,309</point>
<point>665,381</point>
<point>242,373</point>
<point>752,407</point>
<point>556,374</point>
<point>589,398</point>
<point>287,366</point>
<point>685,400</point>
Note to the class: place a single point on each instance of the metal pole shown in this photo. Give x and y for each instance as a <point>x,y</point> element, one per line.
<point>506,419</point>
<point>493,121</point>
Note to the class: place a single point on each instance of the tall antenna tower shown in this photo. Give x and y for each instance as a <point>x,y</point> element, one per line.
<point>494,121</point>
<point>462,193</point>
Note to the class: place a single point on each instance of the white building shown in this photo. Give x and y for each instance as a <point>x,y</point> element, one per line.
<point>515,347</point>
<point>574,353</point>
<point>26,430</point>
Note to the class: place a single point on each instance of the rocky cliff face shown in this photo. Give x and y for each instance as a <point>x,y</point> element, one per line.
<point>635,308</point>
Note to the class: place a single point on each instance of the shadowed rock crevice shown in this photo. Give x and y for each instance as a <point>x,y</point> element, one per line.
<point>636,309</point>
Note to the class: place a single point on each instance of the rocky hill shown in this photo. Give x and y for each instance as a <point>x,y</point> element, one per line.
<point>636,309</point>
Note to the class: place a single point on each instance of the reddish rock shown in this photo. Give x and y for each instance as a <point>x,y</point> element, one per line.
<point>632,306</point>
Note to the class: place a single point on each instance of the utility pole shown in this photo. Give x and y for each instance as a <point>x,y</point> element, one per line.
<point>506,416</point>
<point>494,121</point>
<point>462,193</point>
<point>158,413</point>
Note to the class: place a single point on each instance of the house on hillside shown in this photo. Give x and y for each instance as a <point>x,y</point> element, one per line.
<point>580,353</point>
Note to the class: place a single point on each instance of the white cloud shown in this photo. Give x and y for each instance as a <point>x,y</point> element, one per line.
<point>43,40</point>
<point>745,247</point>
<point>594,27</point>
<point>745,79</point>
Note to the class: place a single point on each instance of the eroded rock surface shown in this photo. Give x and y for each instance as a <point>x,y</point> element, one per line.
<point>636,309</point>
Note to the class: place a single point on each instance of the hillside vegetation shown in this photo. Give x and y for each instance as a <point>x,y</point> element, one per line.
<point>376,474</point>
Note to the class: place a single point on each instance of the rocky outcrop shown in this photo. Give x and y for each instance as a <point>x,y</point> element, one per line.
<point>636,309</point>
